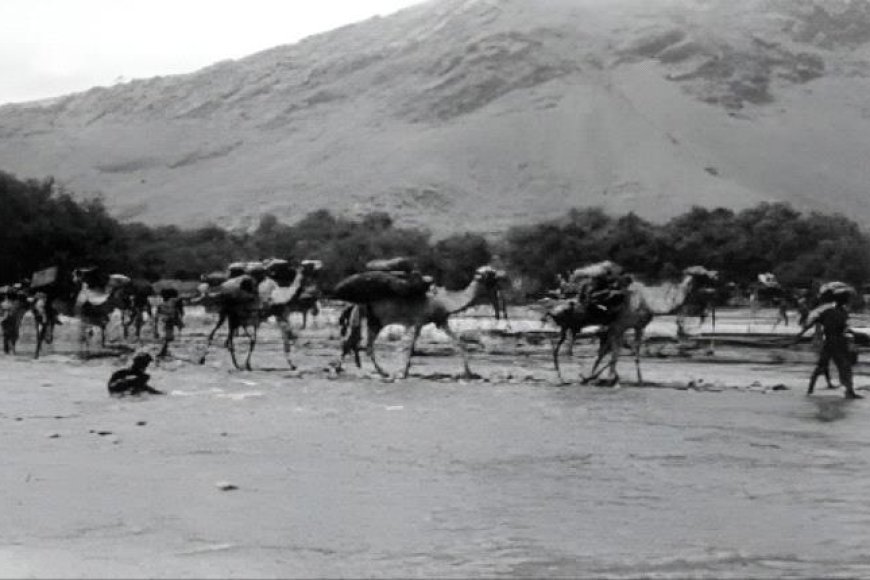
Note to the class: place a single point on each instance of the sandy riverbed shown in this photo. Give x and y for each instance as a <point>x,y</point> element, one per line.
<point>718,466</point>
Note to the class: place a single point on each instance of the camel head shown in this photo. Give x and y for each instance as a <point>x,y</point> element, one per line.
<point>487,284</point>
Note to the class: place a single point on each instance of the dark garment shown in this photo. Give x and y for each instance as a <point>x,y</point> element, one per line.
<point>171,313</point>
<point>131,382</point>
<point>836,347</point>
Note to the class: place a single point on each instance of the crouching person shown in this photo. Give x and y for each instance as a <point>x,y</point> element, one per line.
<point>133,380</point>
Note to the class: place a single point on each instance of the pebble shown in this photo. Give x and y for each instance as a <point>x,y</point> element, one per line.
<point>226,486</point>
<point>141,423</point>
<point>53,435</point>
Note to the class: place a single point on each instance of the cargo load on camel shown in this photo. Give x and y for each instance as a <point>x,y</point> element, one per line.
<point>597,287</point>
<point>394,278</point>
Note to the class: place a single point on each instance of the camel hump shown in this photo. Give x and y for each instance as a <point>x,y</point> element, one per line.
<point>371,286</point>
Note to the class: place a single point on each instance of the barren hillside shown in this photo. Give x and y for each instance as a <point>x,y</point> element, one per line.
<point>478,114</point>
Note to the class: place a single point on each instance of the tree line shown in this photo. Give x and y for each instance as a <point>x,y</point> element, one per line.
<point>42,225</point>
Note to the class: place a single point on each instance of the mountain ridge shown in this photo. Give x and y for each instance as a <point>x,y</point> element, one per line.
<point>477,115</point>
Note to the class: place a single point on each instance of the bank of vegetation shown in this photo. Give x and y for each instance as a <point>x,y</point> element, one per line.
<point>44,225</point>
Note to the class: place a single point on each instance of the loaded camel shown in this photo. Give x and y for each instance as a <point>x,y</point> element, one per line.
<point>768,290</point>
<point>87,294</point>
<point>245,301</point>
<point>642,304</point>
<point>136,298</point>
<point>588,297</point>
<point>382,306</point>
<point>571,317</point>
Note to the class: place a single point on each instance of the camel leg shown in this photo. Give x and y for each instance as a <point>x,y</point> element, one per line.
<point>572,337</point>
<point>286,337</point>
<point>84,343</point>
<point>231,346</point>
<point>415,334</point>
<point>638,343</point>
<point>139,322</point>
<point>41,330</point>
<point>556,348</point>
<point>221,318</point>
<point>449,332</point>
<point>252,344</point>
<point>603,348</point>
<point>126,321</point>
<point>374,329</point>
<point>351,332</point>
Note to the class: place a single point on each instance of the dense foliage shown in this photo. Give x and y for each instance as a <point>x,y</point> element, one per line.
<point>771,237</point>
<point>43,225</point>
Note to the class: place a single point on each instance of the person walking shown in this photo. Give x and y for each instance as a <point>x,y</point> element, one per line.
<point>833,318</point>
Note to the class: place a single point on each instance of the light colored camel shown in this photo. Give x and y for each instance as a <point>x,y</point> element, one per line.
<point>91,306</point>
<point>415,312</point>
<point>642,305</point>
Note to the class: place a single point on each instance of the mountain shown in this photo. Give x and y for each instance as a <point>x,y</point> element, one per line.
<point>479,114</point>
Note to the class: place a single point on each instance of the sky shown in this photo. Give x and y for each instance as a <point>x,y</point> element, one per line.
<point>56,47</point>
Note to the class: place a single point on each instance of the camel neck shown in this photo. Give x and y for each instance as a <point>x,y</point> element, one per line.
<point>459,300</point>
<point>666,298</point>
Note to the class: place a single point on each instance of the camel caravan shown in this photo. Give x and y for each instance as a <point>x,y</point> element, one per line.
<point>600,300</point>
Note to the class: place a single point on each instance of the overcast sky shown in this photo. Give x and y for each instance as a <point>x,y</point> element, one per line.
<point>54,47</point>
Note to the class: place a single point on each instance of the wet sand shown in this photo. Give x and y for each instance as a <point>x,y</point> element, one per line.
<point>707,470</point>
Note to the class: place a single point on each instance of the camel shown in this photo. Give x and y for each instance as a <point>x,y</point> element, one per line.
<point>416,311</point>
<point>642,305</point>
<point>85,295</point>
<point>14,305</point>
<point>572,317</point>
<point>768,290</point>
<point>135,296</point>
<point>245,301</point>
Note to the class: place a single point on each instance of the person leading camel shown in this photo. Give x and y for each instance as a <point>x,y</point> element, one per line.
<point>834,320</point>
